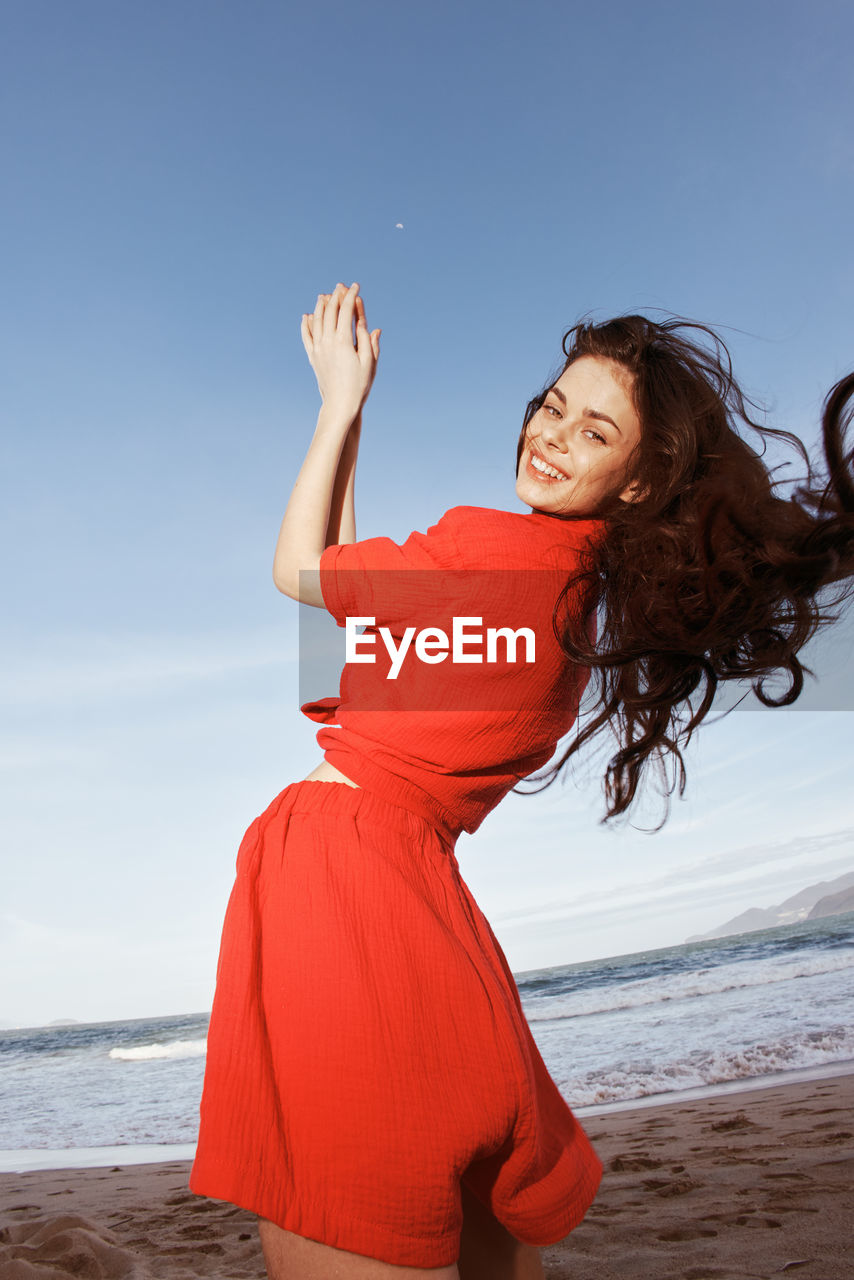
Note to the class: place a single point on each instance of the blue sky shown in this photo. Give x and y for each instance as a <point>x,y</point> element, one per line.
<point>181,180</point>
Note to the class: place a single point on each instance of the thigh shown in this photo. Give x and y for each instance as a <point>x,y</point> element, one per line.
<point>487,1249</point>
<point>292,1257</point>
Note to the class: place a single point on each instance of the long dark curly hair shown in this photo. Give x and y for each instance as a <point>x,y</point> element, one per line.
<point>711,573</point>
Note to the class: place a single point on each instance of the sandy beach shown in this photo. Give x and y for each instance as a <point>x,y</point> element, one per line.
<point>750,1184</point>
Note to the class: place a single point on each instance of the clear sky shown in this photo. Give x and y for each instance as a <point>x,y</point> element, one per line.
<point>181,178</point>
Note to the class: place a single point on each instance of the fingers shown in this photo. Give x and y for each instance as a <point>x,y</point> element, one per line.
<point>367,344</point>
<point>330,311</point>
<point>362,336</point>
<point>345,313</point>
<point>333,318</point>
<point>314,322</point>
<point>335,313</point>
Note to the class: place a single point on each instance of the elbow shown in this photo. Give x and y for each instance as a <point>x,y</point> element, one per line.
<point>300,584</point>
<point>286,585</point>
<point>286,577</point>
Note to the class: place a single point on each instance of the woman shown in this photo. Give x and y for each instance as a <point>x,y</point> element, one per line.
<point>372,1089</point>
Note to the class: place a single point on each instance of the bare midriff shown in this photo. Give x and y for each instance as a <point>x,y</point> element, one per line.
<point>326,772</point>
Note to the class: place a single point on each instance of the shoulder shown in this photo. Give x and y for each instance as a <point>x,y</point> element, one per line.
<point>486,535</point>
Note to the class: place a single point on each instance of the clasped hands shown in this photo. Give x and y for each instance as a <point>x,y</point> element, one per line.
<point>344,364</point>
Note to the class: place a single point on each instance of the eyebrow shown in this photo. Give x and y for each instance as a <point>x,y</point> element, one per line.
<point>588,413</point>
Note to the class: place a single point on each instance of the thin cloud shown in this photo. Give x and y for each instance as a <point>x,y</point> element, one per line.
<point>86,667</point>
<point>734,874</point>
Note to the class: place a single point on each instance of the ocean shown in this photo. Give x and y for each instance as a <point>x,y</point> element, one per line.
<point>756,1008</point>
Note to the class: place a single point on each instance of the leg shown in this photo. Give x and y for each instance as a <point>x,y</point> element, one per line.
<point>291,1257</point>
<point>489,1252</point>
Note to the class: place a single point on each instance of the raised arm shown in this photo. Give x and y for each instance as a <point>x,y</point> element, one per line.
<point>320,510</point>
<point>342,512</point>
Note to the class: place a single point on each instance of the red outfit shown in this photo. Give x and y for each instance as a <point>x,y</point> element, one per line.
<point>367,1048</point>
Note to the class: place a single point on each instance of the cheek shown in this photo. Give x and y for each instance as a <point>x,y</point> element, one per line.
<point>587,461</point>
<point>598,469</point>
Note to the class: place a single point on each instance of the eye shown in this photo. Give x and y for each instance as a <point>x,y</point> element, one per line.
<point>550,409</point>
<point>595,435</point>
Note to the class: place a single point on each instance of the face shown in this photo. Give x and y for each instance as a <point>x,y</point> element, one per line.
<point>585,432</point>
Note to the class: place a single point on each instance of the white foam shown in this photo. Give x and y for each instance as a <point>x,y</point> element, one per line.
<point>830,1071</point>
<point>149,1052</point>
<point>806,1051</point>
<point>93,1157</point>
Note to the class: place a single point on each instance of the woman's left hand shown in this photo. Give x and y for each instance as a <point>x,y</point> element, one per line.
<point>344,368</point>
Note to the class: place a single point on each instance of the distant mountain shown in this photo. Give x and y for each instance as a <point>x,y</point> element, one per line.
<point>827,898</point>
<point>833,905</point>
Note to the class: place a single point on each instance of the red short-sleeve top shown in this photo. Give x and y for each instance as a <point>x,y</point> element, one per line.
<point>448,737</point>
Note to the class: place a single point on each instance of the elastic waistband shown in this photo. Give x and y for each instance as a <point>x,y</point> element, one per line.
<point>315,796</point>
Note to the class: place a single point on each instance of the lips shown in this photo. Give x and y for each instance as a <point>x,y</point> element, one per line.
<point>543,476</point>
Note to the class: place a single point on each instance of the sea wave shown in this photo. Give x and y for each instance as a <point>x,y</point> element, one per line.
<point>149,1052</point>
<point>682,986</point>
<point>643,1080</point>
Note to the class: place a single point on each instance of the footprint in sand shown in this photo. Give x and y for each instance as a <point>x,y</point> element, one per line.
<point>184,1198</point>
<point>182,1250</point>
<point>664,1187</point>
<point>774,1206</point>
<point>739,1121</point>
<point>626,1163</point>
<point>686,1233</point>
<point>707,1273</point>
<point>194,1232</point>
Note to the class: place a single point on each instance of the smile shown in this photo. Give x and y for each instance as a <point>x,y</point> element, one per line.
<point>544,469</point>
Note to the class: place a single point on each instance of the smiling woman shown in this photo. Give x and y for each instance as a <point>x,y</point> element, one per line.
<point>372,1089</point>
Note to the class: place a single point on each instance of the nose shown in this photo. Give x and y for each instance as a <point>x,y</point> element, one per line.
<point>553,435</point>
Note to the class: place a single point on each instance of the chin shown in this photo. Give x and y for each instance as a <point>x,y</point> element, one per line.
<point>536,503</point>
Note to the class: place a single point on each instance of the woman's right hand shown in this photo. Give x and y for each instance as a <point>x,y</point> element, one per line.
<point>344,369</point>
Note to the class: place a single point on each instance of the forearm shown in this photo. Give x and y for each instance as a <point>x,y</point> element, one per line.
<point>305,528</point>
<point>342,514</point>
<point>320,510</point>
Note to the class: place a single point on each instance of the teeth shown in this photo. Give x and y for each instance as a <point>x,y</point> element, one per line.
<point>547,470</point>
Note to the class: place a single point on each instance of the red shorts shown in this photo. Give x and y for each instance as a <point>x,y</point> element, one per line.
<point>367,1049</point>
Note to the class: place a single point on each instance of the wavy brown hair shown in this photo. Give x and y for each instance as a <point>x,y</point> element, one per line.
<point>711,574</point>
